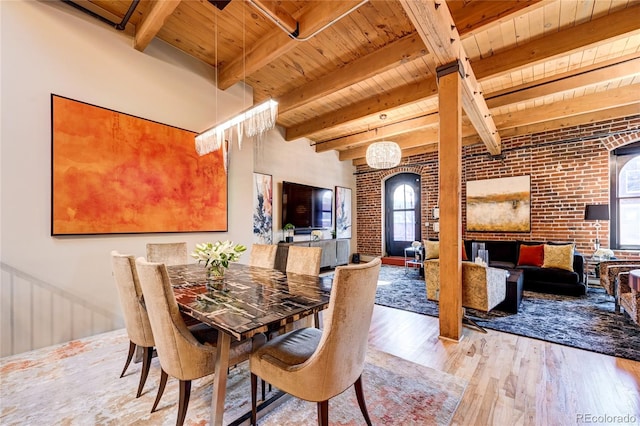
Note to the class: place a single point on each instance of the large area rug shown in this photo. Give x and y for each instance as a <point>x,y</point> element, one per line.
<point>78,383</point>
<point>587,322</point>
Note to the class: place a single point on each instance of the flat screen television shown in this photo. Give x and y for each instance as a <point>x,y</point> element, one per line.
<point>306,207</point>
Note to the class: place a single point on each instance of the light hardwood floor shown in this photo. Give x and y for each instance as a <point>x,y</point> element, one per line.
<point>515,380</point>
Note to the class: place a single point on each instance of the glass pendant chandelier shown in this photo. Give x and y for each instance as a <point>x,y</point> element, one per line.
<point>383,154</point>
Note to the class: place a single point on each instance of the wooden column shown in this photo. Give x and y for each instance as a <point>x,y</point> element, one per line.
<point>450,177</point>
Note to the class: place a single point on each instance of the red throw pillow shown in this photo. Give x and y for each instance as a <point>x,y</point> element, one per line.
<point>464,253</point>
<point>531,255</point>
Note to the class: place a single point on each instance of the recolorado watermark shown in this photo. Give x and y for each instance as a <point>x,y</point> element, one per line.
<point>606,418</point>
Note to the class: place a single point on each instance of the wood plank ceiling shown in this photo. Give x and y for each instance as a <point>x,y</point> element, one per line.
<point>539,64</point>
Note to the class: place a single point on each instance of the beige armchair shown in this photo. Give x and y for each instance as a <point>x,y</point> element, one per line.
<point>609,270</point>
<point>168,253</point>
<point>483,288</point>
<point>629,298</point>
<point>181,355</point>
<point>263,255</point>
<point>316,365</point>
<point>136,320</point>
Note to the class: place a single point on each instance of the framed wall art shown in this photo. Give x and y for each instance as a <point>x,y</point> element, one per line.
<point>343,212</point>
<point>262,208</point>
<point>114,173</point>
<point>499,205</point>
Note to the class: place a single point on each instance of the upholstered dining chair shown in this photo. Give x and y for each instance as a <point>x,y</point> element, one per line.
<point>135,316</point>
<point>263,255</point>
<point>181,355</point>
<point>304,260</point>
<point>316,365</point>
<point>168,253</point>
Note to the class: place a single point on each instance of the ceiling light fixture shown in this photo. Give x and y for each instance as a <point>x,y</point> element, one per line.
<point>383,154</point>
<point>254,121</point>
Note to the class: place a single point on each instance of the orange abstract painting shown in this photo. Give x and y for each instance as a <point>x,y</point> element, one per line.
<point>113,173</point>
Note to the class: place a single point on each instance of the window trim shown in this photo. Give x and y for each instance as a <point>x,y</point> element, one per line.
<point>617,160</point>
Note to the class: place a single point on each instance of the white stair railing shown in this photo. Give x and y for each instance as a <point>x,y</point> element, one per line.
<point>35,314</point>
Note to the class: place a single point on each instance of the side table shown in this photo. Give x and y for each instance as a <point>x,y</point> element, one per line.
<point>514,283</point>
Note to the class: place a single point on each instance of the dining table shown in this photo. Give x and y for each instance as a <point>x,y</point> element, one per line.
<point>251,300</point>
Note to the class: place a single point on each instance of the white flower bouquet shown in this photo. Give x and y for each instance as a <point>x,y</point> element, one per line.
<point>218,254</point>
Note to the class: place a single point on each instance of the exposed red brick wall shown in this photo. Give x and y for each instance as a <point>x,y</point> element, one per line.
<point>568,167</point>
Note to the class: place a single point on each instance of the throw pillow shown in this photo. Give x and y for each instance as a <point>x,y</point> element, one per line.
<point>432,250</point>
<point>558,257</point>
<point>531,255</point>
<point>464,253</point>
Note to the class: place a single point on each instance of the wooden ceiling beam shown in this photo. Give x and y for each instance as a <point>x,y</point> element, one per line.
<point>621,96</point>
<point>276,43</point>
<point>390,130</point>
<point>474,16</point>
<point>528,129</point>
<point>605,29</point>
<point>434,23</point>
<point>390,56</point>
<point>409,140</point>
<point>371,107</point>
<point>155,18</point>
<point>594,74</point>
<point>277,13</point>
<point>563,122</point>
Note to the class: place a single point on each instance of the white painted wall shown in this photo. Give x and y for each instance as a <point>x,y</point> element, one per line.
<point>49,47</point>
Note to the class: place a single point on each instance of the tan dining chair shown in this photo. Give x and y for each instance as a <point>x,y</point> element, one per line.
<point>168,253</point>
<point>173,254</point>
<point>181,355</point>
<point>304,260</point>
<point>316,365</point>
<point>136,320</point>
<point>263,255</point>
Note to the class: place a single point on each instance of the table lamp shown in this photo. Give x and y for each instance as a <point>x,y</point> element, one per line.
<point>596,212</point>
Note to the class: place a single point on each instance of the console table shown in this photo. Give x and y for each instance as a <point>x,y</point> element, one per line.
<point>335,252</point>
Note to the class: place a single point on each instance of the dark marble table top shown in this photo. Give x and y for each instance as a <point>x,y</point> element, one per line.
<point>255,300</point>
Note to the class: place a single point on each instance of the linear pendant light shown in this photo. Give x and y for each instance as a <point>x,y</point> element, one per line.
<point>254,121</point>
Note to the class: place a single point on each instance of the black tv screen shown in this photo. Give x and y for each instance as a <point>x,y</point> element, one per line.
<point>306,207</point>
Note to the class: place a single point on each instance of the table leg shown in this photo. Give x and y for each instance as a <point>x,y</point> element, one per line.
<point>220,378</point>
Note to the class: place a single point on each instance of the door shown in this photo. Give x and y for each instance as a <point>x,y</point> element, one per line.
<point>402,216</point>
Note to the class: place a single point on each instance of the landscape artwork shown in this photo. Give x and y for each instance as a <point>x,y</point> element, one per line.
<point>499,205</point>
<point>343,212</point>
<point>114,173</point>
<point>262,209</point>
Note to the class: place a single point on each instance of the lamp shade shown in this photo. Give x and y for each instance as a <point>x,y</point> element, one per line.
<point>596,212</point>
<point>383,155</point>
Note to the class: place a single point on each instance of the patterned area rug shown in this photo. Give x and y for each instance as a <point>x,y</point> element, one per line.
<point>586,322</point>
<point>78,383</point>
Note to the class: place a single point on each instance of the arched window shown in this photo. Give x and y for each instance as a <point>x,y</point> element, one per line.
<point>625,198</point>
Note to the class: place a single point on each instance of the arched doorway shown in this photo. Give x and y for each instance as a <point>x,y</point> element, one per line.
<point>402,212</point>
